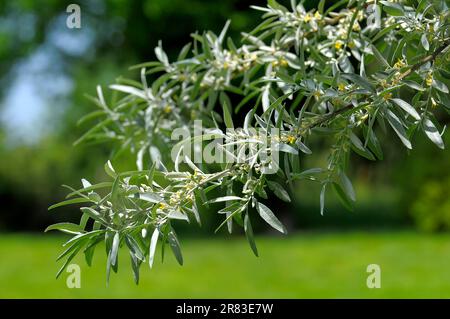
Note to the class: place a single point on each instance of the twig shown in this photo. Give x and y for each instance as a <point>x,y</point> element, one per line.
<point>413,68</point>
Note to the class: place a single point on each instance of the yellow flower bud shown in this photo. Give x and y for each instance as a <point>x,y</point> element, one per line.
<point>291,139</point>
<point>338,45</point>
<point>307,17</point>
<point>167,109</point>
<point>429,79</point>
<point>283,62</point>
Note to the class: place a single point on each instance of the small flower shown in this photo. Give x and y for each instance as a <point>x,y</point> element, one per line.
<point>341,86</point>
<point>351,44</point>
<point>429,79</point>
<point>433,103</point>
<point>317,15</point>
<point>167,109</point>
<point>387,96</point>
<point>291,139</point>
<point>338,45</point>
<point>307,17</point>
<point>399,64</point>
<point>317,94</point>
<point>283,62</point>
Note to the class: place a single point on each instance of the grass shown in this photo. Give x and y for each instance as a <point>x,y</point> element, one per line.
<point>309,265</point>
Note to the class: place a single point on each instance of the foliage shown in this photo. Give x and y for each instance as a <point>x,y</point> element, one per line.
<point>341,71</point>
<point>431,209</point>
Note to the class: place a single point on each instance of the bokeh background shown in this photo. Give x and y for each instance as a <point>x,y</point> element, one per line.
<point>400,219</point>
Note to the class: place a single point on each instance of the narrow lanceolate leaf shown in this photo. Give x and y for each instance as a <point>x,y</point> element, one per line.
<point>407,108</point>
<point>439,86</point>
<point>278,190</point>
<point>150,197</point>
<point>282,147</point>
<point>223,199</point>
<point>424,41</point>
<point>128,89</point>
<point>249,234</point>
<point>68,228</point>
<point>135,267</point>
<point>114,249</point>
<point>359,148</point>
<point>109,169</point>
<point>359,80</point>
<point>433,134</point>
<point>347,186</point>
<point>175,246</point>
<point>265,98</point>
<point>270,218</point>
<point>322,199</point>
<point>153,242</point>
<point>227,115</point>
<point>69,202</point>
<point>393,9</point>
<point>134,247</point>
<point>397,125</point>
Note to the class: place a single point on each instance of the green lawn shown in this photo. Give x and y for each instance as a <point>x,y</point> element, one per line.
<point>309,265</point>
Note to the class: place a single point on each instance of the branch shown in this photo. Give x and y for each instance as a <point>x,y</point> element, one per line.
<point>413,68</point>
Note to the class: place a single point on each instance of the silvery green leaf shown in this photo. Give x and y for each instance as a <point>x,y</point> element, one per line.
<point>128,89</point>
<point>359,148</point>
<point>114,249</point>
<point>309,173</point>
<point>223,199</point>
<point>265,98</point>
<point>413,85</point>
<point>424,42</point>
<point>175,246</point>
<point>226,114</point>
<point>161,55</point>
<point>224,31</point>
<point>249,234</point>
<point>150,197</point>
<point>397,125</point>
<point>85,183</point>
<point>68,228</point>
<point>440,86</point>
<point>153,242</point>
<point>379,56</point>
<point>322,198</point>
<point>433,134</point>
<point>270,218</point>
<point>359,80</point>
<point>302,147</point>
<point>176,214</point>
<point>285,148</point>
<point>393,9</point>
<point>134,247</point>
<point>407,108</point>
<point>279,191</point>
<point>109,169</point>
<point>69,202</point>
<point>347,186</point>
